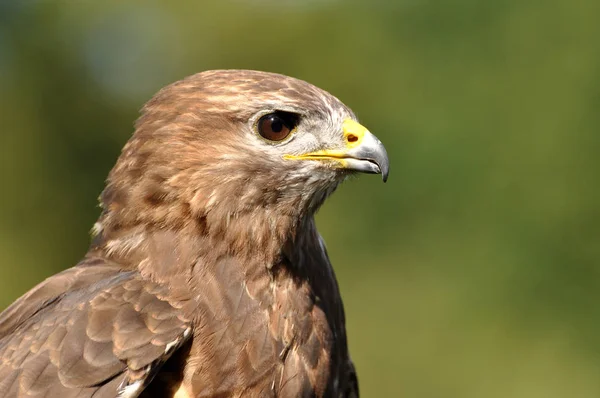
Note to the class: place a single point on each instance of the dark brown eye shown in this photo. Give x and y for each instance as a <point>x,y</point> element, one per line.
<point>277,126</point>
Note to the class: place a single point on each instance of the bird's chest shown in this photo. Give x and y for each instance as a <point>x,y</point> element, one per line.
<point>278,336</point>
<point>310,339</point>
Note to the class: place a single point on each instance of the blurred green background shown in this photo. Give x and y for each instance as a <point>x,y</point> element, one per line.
<point>474,272</point>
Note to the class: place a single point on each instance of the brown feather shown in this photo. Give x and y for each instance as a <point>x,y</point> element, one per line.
<point>206,276</point>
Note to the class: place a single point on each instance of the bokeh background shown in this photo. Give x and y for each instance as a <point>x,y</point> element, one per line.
<point>474,272</point>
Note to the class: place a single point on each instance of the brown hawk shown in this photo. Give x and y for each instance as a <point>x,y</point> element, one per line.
<point>206,276</point>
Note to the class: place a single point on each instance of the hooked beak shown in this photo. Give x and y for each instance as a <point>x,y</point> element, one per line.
<point>363,151</point>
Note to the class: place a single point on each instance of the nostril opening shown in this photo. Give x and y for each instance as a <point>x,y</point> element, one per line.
<point>352,138</point>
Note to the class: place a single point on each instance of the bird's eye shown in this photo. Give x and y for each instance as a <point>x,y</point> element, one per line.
<point>277,126</point>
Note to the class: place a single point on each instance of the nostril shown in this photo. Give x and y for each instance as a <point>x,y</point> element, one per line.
<point>352,138</point>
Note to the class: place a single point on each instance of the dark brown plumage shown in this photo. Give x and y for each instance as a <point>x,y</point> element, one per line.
<point>206,276</point>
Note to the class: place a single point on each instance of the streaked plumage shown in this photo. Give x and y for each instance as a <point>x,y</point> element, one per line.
<point>206,276</point>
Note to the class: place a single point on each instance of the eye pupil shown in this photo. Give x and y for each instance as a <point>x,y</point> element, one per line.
<point>277,126</point>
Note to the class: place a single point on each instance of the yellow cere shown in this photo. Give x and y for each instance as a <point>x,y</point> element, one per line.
<point>354,133</point>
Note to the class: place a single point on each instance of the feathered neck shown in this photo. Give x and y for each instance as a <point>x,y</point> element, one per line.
<point>172,256</point>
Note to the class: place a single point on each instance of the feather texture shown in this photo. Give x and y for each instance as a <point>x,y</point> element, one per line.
<point>206,276</point>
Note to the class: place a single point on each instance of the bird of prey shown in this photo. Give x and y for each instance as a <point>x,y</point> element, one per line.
<point>206,276</point>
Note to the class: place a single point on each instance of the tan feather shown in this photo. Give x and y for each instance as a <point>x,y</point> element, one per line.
<point>206,276</point>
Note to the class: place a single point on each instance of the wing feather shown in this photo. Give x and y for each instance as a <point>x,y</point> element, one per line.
<point>93,330</point>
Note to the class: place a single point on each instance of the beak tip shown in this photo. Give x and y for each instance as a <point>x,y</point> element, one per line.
<point>385,171</point>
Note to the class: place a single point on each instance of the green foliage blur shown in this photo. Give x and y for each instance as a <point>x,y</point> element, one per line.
<point>474,272</point>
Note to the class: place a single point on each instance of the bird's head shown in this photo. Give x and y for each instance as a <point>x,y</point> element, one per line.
<point>237,152</point>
